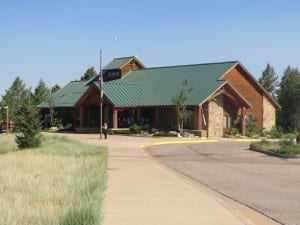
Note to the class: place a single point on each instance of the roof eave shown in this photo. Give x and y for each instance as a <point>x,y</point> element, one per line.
<point>247,104</point>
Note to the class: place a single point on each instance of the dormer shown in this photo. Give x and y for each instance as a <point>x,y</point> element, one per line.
<point>119,67</point>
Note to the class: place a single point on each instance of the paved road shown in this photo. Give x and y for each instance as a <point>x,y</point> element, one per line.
<point>268,184</point>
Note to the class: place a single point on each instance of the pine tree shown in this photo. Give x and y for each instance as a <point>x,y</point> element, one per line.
<point>29,126</point>
<point>89,74</point>
<point>269,80</point>
<point>289,99</point>
<point>40,92</point>
<point>55,88</point>
<point>14,97</point>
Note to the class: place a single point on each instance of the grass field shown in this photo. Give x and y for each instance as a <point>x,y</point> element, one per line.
<point>60,183</point>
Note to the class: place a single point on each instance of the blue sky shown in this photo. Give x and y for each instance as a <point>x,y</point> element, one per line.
<point>58,40</point>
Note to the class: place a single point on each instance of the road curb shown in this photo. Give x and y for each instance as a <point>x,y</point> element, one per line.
<point>183,142</point>
<point>248,140</point>
<point>271,153</point>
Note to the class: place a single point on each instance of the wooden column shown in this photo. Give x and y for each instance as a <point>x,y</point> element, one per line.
<point>138,115</point>
<point>156,117</point>
<point>115,117</point>
<point>200,120</point>
<point>74,117</point>
<point>81,116</point>
<point>243,118</point>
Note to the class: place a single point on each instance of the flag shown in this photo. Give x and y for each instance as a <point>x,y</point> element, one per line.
<point>101,86</point>
<point>203,117</point>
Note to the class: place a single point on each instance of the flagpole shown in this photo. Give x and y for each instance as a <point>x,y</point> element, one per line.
<point>101,91</point>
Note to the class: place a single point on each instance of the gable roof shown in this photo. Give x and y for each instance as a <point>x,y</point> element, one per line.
<point>119,63</point>
<point>157,86</point>
<point>260,87</point>
<point>68,95</point>
<point>153,86</point>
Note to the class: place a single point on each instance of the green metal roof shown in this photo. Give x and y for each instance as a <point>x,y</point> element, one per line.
<point>150,87</point>
<point>160,84</point>
<point>68,96</point>
<point>118,63</point>
<point>121,94</point>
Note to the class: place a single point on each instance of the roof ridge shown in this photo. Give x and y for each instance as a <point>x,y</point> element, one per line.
<point>126,57</point>
<point>119,82</point>
<point>186,65</point>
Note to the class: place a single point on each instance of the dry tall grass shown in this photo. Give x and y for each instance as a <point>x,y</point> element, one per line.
<point>42,186</point>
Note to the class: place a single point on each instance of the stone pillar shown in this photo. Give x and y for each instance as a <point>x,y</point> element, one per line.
<point>156,117</point>
<point>269,115</point>
<point>215,117</point>
<point>81,116</point>
<point>243,118</point>
<point>115,117</point>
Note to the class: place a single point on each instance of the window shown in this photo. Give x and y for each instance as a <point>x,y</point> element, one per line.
<point>227,121</point>
<point>250,118</point>
<point>112,75</point>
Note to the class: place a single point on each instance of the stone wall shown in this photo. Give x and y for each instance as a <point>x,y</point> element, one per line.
<point>215,117</point>
<point>269,114</point>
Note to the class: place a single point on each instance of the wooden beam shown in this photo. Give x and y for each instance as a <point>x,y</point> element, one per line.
<point>115,117</point>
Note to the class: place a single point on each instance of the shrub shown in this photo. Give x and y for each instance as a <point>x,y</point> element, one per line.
<point>147,127</point>
<point>286,142</point>
<point>122,131</point>
<point>251,128</point>
<point>234,131</point>
<point>164,134</point>
<point>275,133</point>
<point>135,129</point>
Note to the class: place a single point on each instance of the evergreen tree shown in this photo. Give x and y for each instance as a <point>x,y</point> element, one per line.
<point>89,74</point>
<point>14,97</point>
<point>269,80</point>
<point>179,101</point>
<point>29,126</point>
<point>40,92</point>
<point>55,88</point>
<point>289,99</point>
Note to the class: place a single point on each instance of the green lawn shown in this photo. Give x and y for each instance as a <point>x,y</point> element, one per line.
<point>62,183</point>
<point>282,147</point>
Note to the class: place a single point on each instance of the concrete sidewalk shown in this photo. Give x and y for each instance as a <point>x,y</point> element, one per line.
<point>141,192</point>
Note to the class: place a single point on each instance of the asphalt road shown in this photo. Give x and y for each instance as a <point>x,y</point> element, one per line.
<point>268,184</point>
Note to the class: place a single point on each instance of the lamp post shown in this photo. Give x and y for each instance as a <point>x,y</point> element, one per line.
<point>101,92</point>
<point>7,129</point>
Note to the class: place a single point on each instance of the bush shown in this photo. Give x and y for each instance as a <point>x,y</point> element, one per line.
<point>234,131</point>
<point>275,133</point>
<point>135,129</point>
<point>251,128</point>
<point>286,142</point>
<point>147,127</point>
<point>122,131</point>
<point>164,134</point>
